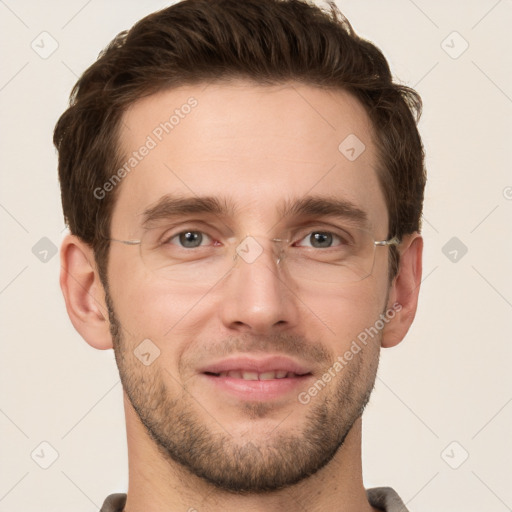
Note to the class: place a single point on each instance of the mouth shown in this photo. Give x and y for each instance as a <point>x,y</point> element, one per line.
<point>251,375</point>
<point>252,379</point>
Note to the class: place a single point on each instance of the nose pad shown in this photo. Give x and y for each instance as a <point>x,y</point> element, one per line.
<point>279,248</point>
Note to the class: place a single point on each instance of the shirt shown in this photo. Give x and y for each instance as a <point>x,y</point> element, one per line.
<point>383,498</point>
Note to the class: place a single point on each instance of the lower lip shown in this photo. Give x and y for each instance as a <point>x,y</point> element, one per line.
<point>258,389</point>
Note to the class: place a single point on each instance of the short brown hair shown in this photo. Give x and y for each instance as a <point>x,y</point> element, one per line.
<point>268,41</point>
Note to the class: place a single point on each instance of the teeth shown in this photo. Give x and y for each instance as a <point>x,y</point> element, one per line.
<point>250,375</point>
<point>245,375</point>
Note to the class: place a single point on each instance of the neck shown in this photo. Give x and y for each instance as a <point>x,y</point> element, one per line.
<point>158,483</point>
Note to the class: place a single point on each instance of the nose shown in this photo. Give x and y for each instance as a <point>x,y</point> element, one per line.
<point>256,296</point>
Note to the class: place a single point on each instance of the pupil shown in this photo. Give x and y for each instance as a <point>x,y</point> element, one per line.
<point>321,240</point>
<point>191,239</point>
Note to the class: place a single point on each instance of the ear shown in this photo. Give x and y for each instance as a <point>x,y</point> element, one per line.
<point>403,294</point>
<point>84,293</point>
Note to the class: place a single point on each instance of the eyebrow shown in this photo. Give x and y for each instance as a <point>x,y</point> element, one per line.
<point>321,206</point>
<point>170,206</point>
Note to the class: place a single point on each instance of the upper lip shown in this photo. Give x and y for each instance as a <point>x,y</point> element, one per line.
<point>256,364</point>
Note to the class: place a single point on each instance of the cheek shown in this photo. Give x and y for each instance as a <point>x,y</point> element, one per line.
<point>344,314</point>
<point>150,308</point>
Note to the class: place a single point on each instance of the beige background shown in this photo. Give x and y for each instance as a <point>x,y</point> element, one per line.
<point>449,381</point>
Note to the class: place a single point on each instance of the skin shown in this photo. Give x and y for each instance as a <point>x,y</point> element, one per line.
<point>254,145</point>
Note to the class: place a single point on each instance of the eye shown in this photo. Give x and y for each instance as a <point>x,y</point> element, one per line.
<point>321,240</point>
<point>189,239</point>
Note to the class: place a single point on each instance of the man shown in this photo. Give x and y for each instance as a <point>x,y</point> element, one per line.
<point>243,183</point>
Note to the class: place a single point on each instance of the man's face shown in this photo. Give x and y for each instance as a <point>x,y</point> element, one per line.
<point>254,149</point>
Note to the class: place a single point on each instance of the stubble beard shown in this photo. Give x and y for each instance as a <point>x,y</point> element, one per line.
<point>186,434</point>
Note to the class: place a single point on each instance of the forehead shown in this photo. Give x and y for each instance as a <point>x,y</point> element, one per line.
<point>254,146</point>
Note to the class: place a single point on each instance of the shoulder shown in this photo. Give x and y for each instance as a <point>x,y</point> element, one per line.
<point>386,499</point>
<point>114,503</point>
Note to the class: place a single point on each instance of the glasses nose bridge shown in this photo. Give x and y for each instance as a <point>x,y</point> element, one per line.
<point>252,247</point>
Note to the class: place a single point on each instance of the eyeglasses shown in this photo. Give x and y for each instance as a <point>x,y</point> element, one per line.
<point>198,257</point>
